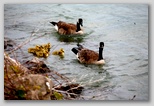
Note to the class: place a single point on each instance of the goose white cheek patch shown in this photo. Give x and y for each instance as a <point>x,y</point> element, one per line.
<point>56,27</point>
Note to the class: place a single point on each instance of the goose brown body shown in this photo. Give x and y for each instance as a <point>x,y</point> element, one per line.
<point>88,56</point>
<point>64,28</point>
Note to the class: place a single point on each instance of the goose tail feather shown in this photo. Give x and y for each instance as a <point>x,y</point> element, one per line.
<point>53,23</point>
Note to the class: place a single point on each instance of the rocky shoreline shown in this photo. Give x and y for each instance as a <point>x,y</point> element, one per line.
<point>34,80</point>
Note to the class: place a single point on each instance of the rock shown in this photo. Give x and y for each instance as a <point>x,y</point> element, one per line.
<point>38,87</point>
<point>8,44</point>
<point>36,66</point>
<point>19,84</point>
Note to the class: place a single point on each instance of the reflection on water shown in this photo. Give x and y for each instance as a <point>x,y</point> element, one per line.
<point>70,38</point>
<point>122,27</point>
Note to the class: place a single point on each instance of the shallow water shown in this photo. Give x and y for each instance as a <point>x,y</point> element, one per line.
<point>122,27</point>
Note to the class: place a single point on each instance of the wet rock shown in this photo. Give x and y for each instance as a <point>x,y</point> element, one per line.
<point>36,66</point>
<point>8,44</point>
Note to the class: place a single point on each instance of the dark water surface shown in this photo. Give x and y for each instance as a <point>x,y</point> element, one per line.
<point>122,27</point>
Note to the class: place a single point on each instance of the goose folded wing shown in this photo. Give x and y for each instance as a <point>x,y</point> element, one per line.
<point>88,56</point>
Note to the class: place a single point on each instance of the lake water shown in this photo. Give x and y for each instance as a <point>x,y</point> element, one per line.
<point>122,27</point>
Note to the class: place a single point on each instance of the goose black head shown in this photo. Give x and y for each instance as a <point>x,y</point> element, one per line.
<point>79,24</point>
<point>101,50</point>
<point>80,21</point>
<point>101,44</point>
<point>75,50</point>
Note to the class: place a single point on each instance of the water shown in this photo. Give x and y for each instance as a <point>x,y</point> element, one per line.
<point>122,27</point>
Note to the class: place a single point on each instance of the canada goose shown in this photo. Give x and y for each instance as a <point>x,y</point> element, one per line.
<point>87,56</point>
<point>60,52</point>
<point>64,28</point>
<point>40,50</point>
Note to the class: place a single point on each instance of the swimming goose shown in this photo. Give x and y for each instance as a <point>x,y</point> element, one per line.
<point>60,52</point>
<point>87,56</point>
<point>64,28</point>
